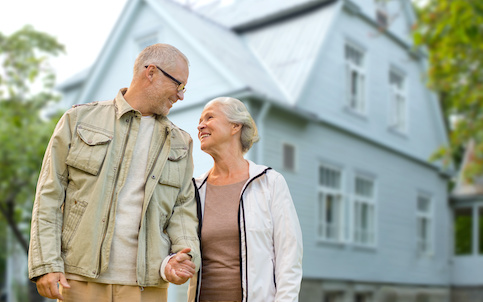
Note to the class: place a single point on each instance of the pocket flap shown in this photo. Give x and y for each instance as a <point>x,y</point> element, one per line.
<point>92,137</point>
<point>175,154</point>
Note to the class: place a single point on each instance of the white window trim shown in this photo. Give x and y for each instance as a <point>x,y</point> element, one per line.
<point>398,121</point>
<point>360,106</point>
<point>339,192</point>
<point>430,217</point>
<point>371,201</point>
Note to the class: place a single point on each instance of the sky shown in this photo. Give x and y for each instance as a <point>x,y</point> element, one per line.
<point>81,26</point>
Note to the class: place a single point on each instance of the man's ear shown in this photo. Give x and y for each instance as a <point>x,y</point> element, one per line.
<point>149,72</point>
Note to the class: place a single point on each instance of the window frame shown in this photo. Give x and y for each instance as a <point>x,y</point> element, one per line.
<point>425,248</point>
<point>340,202</point>
<point>355,102</point>
<point>370,202</point>
<point>398,111</point>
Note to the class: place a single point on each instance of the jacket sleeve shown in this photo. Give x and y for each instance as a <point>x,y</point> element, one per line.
<point>183,224</point>
<point>287,242</point>
<point>46,227</point>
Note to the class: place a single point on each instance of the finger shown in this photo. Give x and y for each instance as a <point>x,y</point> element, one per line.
<point>183,255</point>
<point>63,281</point>
<point>54,289</point>
<point>187,268</point>
<point>186,250</point>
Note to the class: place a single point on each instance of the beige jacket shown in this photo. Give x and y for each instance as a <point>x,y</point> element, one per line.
<point>85,167</point>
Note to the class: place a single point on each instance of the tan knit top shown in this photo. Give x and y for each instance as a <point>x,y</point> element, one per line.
<point>220,243</point>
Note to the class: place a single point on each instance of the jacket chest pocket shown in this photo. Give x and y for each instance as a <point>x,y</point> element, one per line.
<point>173,172</point>
<point>88,149</point>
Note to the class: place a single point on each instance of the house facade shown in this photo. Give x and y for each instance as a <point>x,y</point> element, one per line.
<point>467,204</point>
<point>338,94</point>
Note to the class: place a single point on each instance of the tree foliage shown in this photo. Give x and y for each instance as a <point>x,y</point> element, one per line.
<point>452,34</point>
<point>26,88</point>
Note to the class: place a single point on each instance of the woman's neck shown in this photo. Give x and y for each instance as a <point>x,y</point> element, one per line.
<point>228,171</point>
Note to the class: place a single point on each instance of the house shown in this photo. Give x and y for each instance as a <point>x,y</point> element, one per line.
<point>467,213</point>
<point>337,92</point>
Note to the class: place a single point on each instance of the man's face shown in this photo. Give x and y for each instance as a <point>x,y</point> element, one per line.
<point>163,92</point>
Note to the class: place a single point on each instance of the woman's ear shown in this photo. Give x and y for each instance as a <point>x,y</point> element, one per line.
<point>235,128</point>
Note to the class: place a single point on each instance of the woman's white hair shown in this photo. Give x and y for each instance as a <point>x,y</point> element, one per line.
<point>236,112</point>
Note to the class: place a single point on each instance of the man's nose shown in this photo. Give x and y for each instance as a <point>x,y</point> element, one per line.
<point>180,95</point>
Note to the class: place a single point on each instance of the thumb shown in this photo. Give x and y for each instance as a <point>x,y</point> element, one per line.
<point>185,250</point>
<point>183,254</point>
<point>63,281</point>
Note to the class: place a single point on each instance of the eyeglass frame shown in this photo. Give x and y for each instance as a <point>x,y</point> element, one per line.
<point>179,83</point>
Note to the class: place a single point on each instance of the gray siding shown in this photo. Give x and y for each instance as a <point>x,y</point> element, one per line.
<point>398,181</point>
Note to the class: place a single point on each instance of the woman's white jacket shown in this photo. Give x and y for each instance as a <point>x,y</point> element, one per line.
<point>270,238</point>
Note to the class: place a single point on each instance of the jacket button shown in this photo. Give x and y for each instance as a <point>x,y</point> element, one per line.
<point>153,177</point>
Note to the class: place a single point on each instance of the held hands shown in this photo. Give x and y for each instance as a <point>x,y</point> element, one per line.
<point>180,268</point>
<point>47,285</point>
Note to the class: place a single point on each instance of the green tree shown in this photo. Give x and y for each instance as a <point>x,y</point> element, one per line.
<point>26,88</point>
<point>452,34</point>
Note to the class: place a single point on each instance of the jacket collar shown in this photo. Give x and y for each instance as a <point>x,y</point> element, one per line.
<point>123,107</point>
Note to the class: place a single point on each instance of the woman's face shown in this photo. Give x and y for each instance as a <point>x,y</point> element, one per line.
<point>214,129</point>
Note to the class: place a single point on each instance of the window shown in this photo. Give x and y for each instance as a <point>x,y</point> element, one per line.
<point>463,231</point>
<point>333,297</point>
<point>355,79</point>
<point>468,230</point>
<point>364,220</point>
<point>480,231</point>
<point>147,40</point>
<point>381,13</point>
<point>289,157</point>
<point>330,204</point>
<point>398,101</point>
<point>424,224</point>
<point>362,297</point>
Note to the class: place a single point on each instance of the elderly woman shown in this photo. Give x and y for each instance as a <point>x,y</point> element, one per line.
<point>250,234</point>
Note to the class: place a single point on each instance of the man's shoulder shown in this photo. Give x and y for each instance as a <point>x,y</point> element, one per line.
<point>93,104</point>
<point>179,134</point>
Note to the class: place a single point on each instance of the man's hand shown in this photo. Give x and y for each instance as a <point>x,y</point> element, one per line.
<point>180,268</point>
<point>47,285</point>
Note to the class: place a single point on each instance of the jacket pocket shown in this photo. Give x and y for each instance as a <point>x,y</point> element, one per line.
<point>74,213</point>
<point>89,149</point>
<point>174,167</point>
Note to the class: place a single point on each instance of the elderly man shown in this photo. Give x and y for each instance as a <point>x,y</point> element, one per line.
<point>114,217</point>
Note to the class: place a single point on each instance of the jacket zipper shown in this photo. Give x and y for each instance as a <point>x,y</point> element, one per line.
<point>112,195</point>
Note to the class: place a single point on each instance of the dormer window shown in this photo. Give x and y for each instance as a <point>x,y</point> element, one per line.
<point>381,13</point>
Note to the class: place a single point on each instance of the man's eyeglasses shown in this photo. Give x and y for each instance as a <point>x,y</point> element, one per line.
<point>181,87</point>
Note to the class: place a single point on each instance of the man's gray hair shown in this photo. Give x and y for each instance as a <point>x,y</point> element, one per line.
<point>236,112</point>
<point>163,55</point>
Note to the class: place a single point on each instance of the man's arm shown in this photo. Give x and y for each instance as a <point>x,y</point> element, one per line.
<point>183,224</point>
<point>45,239</point>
